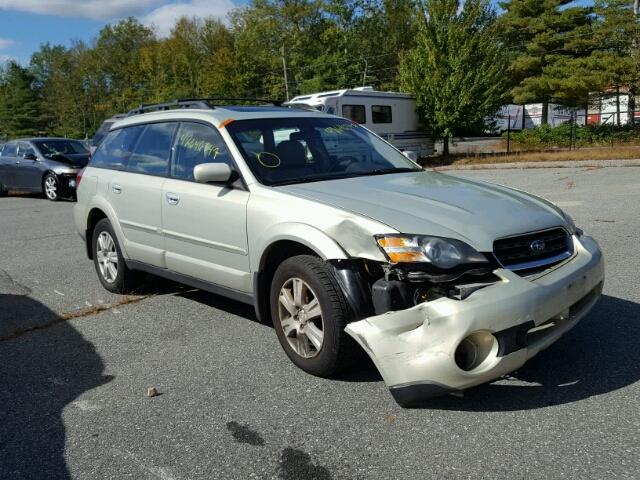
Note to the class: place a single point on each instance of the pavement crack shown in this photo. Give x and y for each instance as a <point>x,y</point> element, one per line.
<point>84,312</point>
<point>9,286</point>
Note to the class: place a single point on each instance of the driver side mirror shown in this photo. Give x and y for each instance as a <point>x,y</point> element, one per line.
<point>411,155</point>
<point>212,173</point>
<point>30,156</point>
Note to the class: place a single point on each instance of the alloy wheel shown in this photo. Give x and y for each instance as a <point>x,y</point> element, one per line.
<point>51,187</point>
<point>300,318</point>
<point>107,257</point>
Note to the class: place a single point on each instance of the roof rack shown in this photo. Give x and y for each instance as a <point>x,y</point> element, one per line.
<point>199,103</point>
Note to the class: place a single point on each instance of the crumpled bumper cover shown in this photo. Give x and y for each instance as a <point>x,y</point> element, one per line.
<point>414,349</point>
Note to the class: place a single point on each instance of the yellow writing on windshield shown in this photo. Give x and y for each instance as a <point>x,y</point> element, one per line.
<point>187,140</point>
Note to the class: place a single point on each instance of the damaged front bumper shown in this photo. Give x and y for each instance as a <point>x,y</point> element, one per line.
<point>447,345</point>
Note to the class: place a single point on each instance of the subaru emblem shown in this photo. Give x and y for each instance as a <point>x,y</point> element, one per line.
<point>537,246</point>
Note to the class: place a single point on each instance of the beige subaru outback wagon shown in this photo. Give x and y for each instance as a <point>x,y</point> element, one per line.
<point>339,239</point>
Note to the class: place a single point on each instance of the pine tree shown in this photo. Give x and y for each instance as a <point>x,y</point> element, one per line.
<point>543,38</point>
<point>20,113</point>
<point>457,68</point>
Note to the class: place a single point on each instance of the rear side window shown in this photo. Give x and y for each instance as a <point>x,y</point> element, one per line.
<point>355,113</point>
<point>195,144</point>
<point>115,150</point>
<point>381,114</point>
<point>151,153</point>
<point>9,150</point>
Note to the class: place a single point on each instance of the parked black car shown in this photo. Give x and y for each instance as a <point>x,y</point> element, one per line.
<point>47,165</point>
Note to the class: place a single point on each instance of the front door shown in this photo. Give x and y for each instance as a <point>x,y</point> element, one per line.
<point>204,225</point>
<point>28,171</point>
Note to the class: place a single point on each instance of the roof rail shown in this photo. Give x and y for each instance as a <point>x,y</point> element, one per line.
<point>199,103</point>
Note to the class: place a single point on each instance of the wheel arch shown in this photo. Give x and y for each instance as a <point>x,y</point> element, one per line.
<point>292,240</point>
<point>93,217</point>
<point>97,211</point>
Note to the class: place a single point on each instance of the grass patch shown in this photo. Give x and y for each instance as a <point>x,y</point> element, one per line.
<point>582,154</point>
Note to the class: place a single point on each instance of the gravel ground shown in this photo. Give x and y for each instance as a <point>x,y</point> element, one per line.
<point>73,400</point>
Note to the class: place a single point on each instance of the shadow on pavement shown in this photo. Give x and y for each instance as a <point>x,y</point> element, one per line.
<point>600,355</point>
<point>40,374</point>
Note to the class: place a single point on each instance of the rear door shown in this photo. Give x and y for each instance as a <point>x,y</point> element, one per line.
<point>204,224</point>
<point>139,159</point>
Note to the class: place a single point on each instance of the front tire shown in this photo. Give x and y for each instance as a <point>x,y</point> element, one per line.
<point>51,187</point>
<point>309,313</point>
<point>3,192</point>
<point>109,262</point>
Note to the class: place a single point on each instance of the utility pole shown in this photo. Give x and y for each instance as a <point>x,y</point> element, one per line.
<point>284,69</point>
<point>364,75</point>
<point>633,91</point>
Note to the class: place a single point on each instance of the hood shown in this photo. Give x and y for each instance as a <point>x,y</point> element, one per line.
<point>432,203</point>
<point>78,160</point>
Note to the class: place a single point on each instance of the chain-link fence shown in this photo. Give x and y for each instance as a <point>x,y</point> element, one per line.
<point>575,131</point>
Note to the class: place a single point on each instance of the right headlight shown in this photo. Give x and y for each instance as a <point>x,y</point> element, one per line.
<point>443,253</point>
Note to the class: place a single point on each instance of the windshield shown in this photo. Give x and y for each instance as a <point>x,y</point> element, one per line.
<point>51,148</point>
<point>283,151</point>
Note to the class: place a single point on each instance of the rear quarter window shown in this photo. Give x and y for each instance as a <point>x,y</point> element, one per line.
<point>117,147</point>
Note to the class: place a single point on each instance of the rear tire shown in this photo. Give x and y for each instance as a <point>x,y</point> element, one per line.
<point>309,313</point>
<point>51,187</point>
<point>113,273</point>
<point>3,192</point>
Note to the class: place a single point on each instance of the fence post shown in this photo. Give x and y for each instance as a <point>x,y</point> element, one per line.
<point>508,133</point>
<point>572,125</point>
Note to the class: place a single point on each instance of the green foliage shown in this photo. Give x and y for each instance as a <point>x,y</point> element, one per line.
<point>20,113</point>
<point>457,68</point>
<point>566,135</point>
<point>456,55</point>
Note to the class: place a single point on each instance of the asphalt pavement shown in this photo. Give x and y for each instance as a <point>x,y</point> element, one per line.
<point>76,363</point>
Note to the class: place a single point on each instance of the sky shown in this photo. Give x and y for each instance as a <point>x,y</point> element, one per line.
<point>26,24</point>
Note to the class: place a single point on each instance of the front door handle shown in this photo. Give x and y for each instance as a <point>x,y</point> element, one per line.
<point>172,199</point>
<point>116,188</point>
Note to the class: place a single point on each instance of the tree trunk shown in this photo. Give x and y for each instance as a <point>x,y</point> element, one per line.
<point>545,113</point>
<point>445,146</point>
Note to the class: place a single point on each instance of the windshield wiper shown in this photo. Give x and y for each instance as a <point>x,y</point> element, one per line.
<point>382,171</point>
<point>314,178</point>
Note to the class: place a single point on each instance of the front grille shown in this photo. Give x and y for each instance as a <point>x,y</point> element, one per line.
<point>532,251</point>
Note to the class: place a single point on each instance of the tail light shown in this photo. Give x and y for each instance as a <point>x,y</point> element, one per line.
<point>79,177</point>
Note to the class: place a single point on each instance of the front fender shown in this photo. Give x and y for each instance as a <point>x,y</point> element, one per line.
<point>309,236</point>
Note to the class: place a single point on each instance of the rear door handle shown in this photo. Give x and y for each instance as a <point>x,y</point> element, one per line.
<point>172,199</point>
<point>116,188</point>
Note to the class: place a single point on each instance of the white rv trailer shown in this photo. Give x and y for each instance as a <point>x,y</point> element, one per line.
<point>391,115</point>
